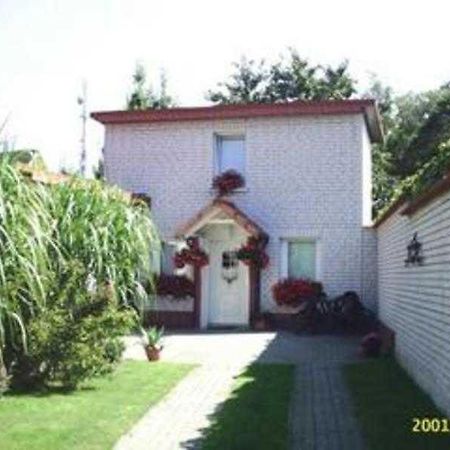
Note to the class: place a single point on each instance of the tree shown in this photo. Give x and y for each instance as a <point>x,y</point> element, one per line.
<point>245,86</point>
<point>415,126</point>
<point>383,180</point>
<point>143,97</point>
<point>289,79</point>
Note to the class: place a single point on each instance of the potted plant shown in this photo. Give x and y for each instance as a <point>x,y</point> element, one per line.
<point>261,322</point>
<point>152,344</point>
<point>371,345</point>
<point>227,182</point>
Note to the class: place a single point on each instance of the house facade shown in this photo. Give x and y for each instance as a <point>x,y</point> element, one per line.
<point>307,197</point>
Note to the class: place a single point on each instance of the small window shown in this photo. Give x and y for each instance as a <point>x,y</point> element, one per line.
<point>229,260</point>
<point>168,251</point>
<point>230,154</point>
<point>301,259</point>
<point>162,258</point>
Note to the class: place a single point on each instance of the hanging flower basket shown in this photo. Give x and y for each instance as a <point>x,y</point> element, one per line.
<point>177,286</point>
<point>227,182</point>
<point>295,291</point>
<point>253,254</point>
<point>193,255</point>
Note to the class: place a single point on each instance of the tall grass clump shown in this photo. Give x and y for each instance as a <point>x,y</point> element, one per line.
<point>72,259</point>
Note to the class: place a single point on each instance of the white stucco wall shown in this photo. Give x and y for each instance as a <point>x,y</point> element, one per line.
<point>415,301</point>
<point>305,177</point>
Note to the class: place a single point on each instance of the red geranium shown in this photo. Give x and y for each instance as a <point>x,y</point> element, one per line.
<point>227,182</point>
<point>192,255</point>
<point>253,253</point>
<point>175,285</point>
<point>294,291</point>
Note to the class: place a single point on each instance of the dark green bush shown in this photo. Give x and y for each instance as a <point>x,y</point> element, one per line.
<point>76,337</point>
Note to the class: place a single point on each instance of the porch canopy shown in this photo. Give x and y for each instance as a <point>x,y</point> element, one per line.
<point>222,211</point>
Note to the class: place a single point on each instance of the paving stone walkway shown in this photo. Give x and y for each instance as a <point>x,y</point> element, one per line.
<point>321,416</point>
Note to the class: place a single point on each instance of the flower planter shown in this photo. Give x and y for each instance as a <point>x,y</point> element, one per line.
<point>228,182</point>
<point>260,324</point>
<point>153,353</point>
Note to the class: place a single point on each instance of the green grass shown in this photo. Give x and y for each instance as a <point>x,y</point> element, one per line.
<point>90,418</point>
<point>256,414</point>
<point>386,401</point>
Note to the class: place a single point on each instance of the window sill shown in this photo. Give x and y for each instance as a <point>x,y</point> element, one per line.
<point>236,191</point>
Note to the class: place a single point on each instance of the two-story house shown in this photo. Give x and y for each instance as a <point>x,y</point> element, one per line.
<point>307,194</point>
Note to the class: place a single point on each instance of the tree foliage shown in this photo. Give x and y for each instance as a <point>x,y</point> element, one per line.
<point>290,78</point>
<point>144,96</point>
<point>415,126</point>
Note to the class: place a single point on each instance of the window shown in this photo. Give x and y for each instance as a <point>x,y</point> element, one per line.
<point>229,260</point>
<point>302,259</point>
<point>230,154</point>
<point>163,258</point>
<point>168,251</point>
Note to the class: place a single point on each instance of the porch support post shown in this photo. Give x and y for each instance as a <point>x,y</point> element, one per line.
<point>198,295</point>
<point>255,292</point>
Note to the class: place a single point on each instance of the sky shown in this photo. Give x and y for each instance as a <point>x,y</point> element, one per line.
<point>48,47</point>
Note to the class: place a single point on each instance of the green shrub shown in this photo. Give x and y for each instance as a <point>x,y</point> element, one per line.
<point>78,337</point>
<point>53,239</point>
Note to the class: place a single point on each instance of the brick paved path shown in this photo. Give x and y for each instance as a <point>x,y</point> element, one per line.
<point>321,414</point>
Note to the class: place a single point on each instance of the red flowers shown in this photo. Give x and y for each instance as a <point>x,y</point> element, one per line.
<point>253,253</point>
<point>227,182</point>
<point>294,291</point>
<point>192,255</point>
<point>175,285</point>
<point>371,345</point>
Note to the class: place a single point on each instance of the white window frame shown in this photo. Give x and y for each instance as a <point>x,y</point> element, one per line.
<point>218,137</point>
<point>284,269</point>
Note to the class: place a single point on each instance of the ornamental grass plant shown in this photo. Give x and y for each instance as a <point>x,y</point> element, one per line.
<point>61,248</point>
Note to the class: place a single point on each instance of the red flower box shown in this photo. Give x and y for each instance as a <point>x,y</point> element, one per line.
<point>227,182</point>
<point>175,285</point>
<point>294,291</point>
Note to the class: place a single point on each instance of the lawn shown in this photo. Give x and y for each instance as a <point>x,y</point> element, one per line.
<point>255,416</point>
<point>386,401</point>
<point>91,418</point>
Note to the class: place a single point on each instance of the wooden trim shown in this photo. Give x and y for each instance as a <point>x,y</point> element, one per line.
<point>436,190</point>
<point>389,212</point>
<point>227,207</point>
<point>411,207</point>
<point>367,107</point>
<point>198,296</point>
<point>254,293</point>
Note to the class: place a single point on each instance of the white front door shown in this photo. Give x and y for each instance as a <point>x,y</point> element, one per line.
<point>228,297</point>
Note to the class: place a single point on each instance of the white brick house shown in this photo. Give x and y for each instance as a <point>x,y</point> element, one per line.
<point>307,169</point>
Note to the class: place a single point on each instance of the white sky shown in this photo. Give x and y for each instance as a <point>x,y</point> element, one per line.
<point>47,47</point>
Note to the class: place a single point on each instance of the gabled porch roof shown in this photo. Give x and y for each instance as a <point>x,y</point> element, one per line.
<point>216,212</point>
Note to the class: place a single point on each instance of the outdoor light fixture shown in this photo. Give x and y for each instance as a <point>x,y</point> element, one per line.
<point>230,265</point>
<point>414,248</point>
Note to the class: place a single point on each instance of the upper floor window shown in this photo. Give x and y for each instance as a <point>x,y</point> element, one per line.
<point>230,154</point>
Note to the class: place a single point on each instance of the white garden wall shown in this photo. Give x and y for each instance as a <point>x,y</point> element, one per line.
<point>415,301</point>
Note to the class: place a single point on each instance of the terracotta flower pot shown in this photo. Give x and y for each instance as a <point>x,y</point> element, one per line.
<point>259,324</point>
<point>153,353</point>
